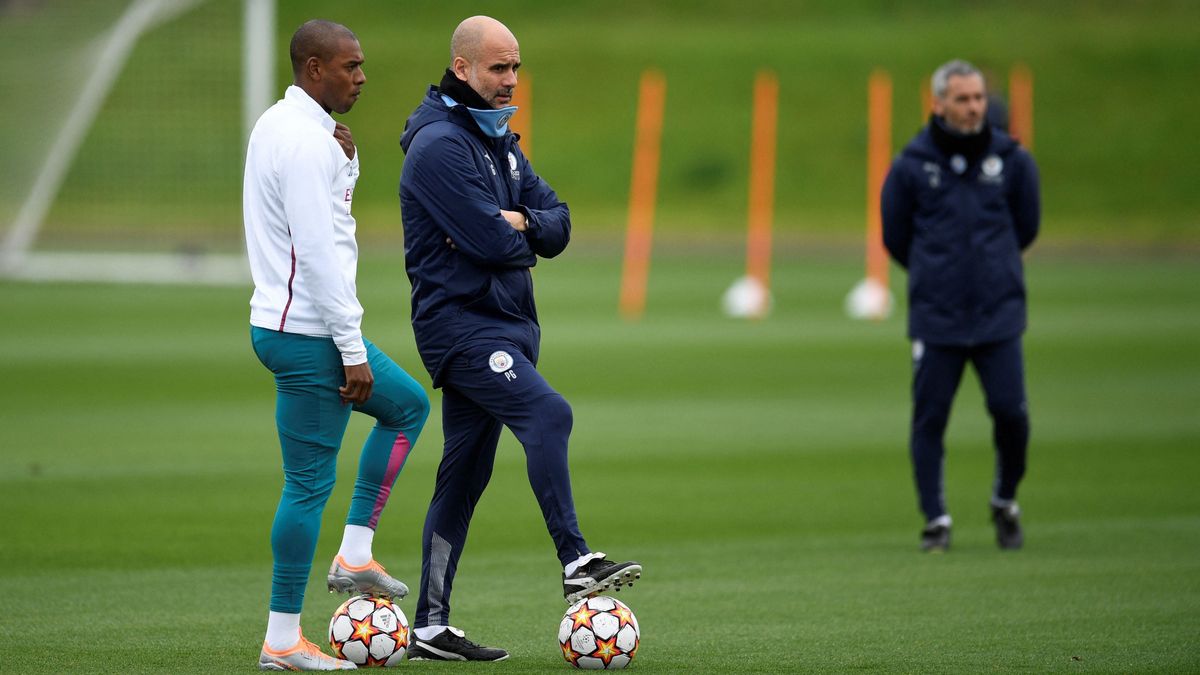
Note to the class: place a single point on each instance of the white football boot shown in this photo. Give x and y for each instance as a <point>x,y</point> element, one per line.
<point>304,656</point>
<point>370,579</point>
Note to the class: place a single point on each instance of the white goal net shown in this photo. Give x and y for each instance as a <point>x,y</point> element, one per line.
<point>125,136</point>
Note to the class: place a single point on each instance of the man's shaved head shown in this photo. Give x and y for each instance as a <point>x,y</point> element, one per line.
<point>484,53</point>
<point>318,38</point>
<point>473,33</point>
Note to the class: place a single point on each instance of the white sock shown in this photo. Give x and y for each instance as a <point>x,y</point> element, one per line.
<point>356,545</point>
<point>283,630</point>
<point>943,519</point>
<point>581,560</point>
<point>430,632</point>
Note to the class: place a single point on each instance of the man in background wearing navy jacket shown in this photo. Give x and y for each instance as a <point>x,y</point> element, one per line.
<point>476,217</point>
<point>959,205</point>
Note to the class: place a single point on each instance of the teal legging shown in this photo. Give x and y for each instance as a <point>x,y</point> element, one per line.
<point>311,420</point>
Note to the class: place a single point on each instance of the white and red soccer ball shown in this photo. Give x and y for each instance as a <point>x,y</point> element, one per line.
<point>369,631</point>
<point>599,633</point>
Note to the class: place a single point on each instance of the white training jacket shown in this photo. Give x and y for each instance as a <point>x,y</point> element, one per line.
<point>296,200</point>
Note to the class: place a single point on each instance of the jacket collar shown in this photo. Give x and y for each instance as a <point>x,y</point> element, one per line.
<point>950,142</point>
<point>492,122</point>
<point>461,91</point>
<point>300,99</point>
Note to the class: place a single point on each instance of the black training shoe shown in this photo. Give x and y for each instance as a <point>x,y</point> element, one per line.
<point>1007,520</point>
<point>935,537</point>
<point>598,575</point>
<point>452,645</point>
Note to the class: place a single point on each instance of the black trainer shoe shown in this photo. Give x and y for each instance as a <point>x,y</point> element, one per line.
<point>598,575</point>
<point>1007,520</point>
<point>935,537</point>
<point>452,645</point>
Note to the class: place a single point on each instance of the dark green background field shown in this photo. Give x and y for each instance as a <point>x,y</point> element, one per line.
<point>758,470</point>
<point>1115,108</point>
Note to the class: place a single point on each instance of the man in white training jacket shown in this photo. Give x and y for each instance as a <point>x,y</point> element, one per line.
<point>301,168</point>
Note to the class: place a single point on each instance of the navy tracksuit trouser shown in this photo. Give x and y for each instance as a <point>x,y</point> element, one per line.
<point>937,371</point>
<point>490,385</point>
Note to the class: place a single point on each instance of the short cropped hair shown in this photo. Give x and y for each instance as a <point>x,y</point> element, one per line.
<point>318,38</point>
<point>955,68</point>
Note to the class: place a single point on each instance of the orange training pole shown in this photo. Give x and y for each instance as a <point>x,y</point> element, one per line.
<point>762,177</point>
<point>879,151</point>
<point>642,190</point>
<point>522,122</point>
<point>1020,104</point>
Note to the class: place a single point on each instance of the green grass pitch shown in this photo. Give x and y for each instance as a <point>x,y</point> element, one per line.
<point>757,469</point>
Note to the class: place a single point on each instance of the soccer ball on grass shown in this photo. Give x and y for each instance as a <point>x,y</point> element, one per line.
<point>599,633</point>
<point>869,299</point>
<point>747,298</point>
<point>369,631</point>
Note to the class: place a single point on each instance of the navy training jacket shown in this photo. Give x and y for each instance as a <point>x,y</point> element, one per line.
<point>960,236</point>
<point>454,183</point>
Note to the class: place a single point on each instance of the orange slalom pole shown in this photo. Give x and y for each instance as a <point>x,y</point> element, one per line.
<point>879,151</point>
<point>762,177</point>
<point>926,101</point>
<point>522,122</point>
<point>642,193</point>
<point>1020,104</point>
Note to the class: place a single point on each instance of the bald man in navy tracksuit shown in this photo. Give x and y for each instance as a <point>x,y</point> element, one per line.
<point>476,219</point>
<point>959,206</point>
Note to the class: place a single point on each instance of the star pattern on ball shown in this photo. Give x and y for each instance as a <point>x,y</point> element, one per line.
<point>583,647</point>
<point>369,631</point>
<point>583,617</point>
<point>568,653</point>
<point>606,650</point>
<point>363,630</point>
<point>622,612</point>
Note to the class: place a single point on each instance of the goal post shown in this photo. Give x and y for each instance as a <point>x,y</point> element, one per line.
<point>258,54</point>
<point>136,171</point>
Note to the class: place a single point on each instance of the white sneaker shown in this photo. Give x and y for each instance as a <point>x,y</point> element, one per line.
<point>370,579</point>
<point>304,656</point>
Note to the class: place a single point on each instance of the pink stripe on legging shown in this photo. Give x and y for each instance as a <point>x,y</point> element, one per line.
<point>395,462</point>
